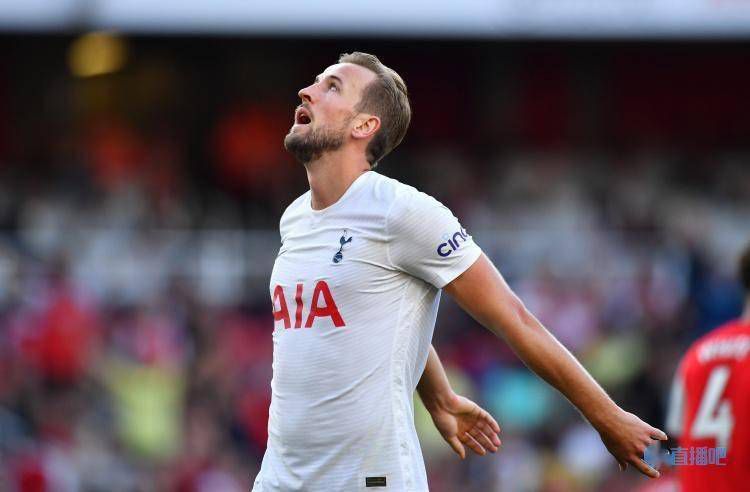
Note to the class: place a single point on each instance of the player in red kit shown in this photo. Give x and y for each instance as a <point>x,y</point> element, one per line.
<point>710,406</point>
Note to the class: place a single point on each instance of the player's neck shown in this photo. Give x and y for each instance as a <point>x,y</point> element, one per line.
<point>331,175</point>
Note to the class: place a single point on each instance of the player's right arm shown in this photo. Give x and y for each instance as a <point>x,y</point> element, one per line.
<point>484,294</point>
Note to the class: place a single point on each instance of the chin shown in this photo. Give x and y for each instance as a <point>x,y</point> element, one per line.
<point>293,139</point>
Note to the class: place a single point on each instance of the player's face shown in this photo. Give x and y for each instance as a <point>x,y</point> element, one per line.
<point>324,119</point>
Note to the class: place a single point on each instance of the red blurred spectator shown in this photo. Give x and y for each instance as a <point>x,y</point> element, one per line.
<point>27,473</point>
<point>115,151</point>
<point>60,339</point>
<point>248,145</point>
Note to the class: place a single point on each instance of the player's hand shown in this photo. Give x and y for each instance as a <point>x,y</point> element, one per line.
<point>627,437</point>
<point>463,422</point>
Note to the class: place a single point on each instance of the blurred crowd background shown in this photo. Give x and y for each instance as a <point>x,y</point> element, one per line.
<point>141,184</point>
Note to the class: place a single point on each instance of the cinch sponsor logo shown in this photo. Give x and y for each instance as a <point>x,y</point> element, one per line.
<point>452,242</point>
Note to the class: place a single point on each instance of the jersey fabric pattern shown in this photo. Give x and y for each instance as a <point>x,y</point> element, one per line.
<point>710,408</point>
<point>355,291</point>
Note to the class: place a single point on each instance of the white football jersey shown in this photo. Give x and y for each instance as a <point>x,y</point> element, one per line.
<point>355,291</point>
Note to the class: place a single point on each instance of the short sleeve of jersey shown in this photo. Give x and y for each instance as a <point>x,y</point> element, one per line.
<point>427,241</point>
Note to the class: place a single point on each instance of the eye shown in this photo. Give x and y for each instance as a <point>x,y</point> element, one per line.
<point>333,86</point>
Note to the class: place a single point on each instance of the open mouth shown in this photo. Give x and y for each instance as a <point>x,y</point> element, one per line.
<point>302,116</point>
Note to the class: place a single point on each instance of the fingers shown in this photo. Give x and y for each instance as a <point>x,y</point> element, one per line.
<point>457,446</point>
<point>644,467</point>
<point>468,440</point>
<point>490,432</point>
<point>489,427</point>
<point>658,434</point>
<point>629,441</point>
<point>490,421</point>
<point>483,440</point>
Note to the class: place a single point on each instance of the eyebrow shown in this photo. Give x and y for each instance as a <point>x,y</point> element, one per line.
<point>338,79</point>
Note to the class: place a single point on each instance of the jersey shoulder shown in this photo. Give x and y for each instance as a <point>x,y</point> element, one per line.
<point>388,191</point>
<point>729,329</point>
<point>729,341</point>
<point>403,200</point>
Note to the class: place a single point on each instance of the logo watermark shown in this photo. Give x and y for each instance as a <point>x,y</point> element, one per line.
<point>691,456</point>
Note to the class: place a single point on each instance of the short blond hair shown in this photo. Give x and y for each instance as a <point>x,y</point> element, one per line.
<point>385,97</point>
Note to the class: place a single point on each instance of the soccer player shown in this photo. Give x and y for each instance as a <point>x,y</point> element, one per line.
<point>355,291</point>
<point>710,405</point>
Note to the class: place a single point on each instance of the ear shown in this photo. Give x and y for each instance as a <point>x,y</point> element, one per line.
<point>365,125</point>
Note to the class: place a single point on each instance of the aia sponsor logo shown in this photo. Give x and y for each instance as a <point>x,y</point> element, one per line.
<point>452,242</point>
<point>322,305</point>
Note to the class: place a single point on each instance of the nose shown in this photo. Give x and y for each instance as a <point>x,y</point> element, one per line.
<point>304,94</point>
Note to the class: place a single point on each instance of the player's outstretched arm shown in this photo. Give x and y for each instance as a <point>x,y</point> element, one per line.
<point>484,294</point>
<point>459,420</point>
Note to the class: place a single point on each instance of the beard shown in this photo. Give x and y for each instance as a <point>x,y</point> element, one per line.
<point>309,146</point>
